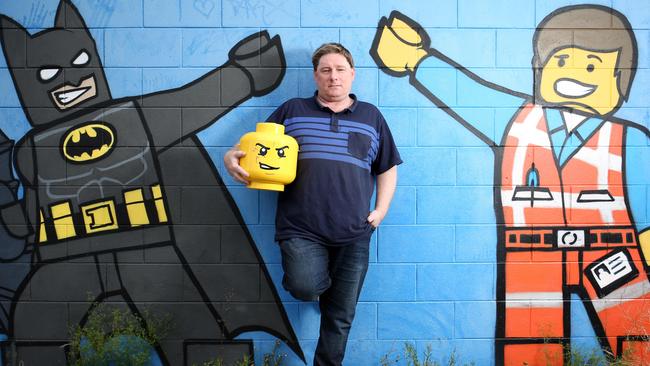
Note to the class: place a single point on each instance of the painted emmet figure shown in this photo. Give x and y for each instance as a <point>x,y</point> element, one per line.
<point>564,207</point>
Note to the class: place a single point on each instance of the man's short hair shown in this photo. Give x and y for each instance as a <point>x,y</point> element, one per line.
<point>328,48</point>
<point>591,27</point>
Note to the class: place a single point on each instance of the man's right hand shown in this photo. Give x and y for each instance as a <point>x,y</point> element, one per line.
<point>399,45</point>
<point>231,161</point>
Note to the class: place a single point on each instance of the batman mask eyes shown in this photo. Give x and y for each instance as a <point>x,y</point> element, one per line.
<point>81,59</point>
<point>48,73</point>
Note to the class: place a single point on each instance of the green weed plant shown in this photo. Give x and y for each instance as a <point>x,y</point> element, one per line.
<point>412,358</point>
<point>116,336</point>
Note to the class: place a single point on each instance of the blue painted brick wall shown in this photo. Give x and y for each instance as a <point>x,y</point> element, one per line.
<point>432,278</point>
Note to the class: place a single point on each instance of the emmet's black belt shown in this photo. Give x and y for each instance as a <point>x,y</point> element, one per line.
<point>570,237</point>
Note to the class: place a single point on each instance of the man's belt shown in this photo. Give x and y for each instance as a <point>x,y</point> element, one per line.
<point>570,237</point>
<point>103,215</point>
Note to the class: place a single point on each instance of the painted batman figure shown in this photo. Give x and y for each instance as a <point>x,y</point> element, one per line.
<point>122,202</point>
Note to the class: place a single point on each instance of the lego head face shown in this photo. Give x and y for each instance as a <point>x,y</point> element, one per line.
<point>581,79</point>
<point>273,158</point>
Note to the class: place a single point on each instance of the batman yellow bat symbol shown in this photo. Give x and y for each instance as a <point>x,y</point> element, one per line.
<point>88,142</point>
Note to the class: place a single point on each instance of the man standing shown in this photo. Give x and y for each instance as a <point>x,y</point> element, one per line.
<point>322,221</point>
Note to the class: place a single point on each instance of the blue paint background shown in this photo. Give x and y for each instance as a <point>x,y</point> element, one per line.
<point>432,274</point>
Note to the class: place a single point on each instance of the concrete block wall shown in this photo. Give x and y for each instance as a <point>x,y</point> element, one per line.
<point>433,272</point>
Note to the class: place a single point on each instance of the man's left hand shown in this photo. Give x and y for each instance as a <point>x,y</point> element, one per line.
<point>375,217</point>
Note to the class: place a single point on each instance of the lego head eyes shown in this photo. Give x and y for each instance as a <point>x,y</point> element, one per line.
<point>263,150</point>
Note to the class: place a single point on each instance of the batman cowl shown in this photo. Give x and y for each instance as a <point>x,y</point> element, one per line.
<point>55,71</point>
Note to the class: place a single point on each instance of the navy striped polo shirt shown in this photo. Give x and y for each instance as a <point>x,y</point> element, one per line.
<point>340,155</point>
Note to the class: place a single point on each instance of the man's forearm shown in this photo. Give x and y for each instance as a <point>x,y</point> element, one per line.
<point>386,183</point>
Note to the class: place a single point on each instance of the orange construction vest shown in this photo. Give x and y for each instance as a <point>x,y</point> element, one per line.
<point>588,190</point>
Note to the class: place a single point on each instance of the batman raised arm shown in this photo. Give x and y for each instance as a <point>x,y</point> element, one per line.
<point>255,67</point>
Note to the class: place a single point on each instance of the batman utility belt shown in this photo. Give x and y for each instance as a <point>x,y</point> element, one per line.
<point>102,216</point>
<point>570,237</point>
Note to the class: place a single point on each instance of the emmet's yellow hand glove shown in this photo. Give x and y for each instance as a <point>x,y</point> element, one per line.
<point>399,45</point>
<point>644,241</point>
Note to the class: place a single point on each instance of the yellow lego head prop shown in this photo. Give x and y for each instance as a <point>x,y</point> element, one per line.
<point>271,157</point>
<point>585,58</point>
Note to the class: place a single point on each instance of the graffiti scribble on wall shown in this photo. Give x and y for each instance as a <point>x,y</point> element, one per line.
<point>122,202</point>
<point>565,216</point>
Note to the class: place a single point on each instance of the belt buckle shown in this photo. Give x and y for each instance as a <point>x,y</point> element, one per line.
<point>571,238</point>
<point>99,216</point>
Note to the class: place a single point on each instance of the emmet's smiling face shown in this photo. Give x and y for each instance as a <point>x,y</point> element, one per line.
<point>582,79</point>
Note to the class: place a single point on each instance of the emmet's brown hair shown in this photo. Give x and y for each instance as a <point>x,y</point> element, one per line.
<point>591,27</point>
<point>328,48</point>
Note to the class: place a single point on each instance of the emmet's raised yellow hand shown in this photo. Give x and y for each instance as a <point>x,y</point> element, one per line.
<point>399,45</point>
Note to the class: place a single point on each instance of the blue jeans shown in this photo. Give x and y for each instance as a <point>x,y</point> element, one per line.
<point>333,275</point>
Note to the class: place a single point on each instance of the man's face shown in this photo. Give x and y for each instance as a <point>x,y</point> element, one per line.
<point>333,77</point>
<point>581,79</point>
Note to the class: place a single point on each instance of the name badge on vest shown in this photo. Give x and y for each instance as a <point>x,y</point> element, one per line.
<point>610,272</point>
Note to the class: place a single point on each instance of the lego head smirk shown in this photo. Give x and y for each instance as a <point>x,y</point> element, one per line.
<point>271,157</point>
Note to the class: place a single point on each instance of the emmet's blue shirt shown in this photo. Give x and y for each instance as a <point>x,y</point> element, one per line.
<point>340,155</point>
<point>636,156</point>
